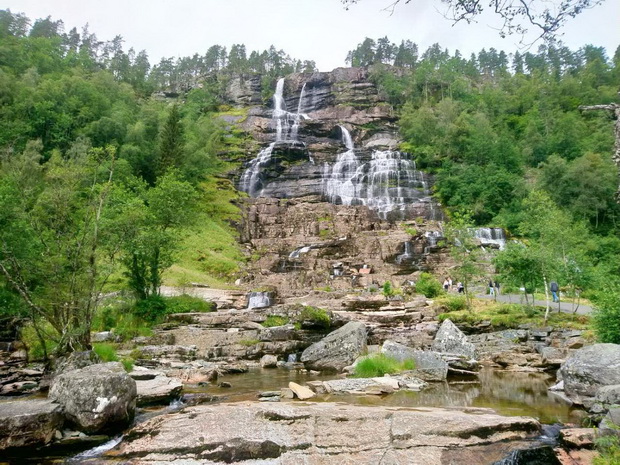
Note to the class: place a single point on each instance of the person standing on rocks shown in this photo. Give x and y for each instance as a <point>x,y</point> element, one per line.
<point>460,288</point>
<point>491,288</point>
<point>555,289</point>
<point>446,284</point>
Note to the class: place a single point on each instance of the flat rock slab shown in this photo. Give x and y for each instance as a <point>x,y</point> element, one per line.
<point>321,433</point>
<point>28,422</point>
<point>157,390</point>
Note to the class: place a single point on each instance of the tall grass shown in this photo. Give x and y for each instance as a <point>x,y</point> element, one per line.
<point>380,365</point>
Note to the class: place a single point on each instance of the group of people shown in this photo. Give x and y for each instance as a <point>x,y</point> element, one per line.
<point>493,287</point>
<point>447,285</point>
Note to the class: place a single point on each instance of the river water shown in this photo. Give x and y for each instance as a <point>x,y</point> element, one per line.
<point>508,393</point>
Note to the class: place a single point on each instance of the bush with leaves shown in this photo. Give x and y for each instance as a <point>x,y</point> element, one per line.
<point>428,285</point>
<point>607,316</point>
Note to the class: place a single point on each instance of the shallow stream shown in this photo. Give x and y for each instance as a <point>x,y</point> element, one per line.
<point>509,393</point>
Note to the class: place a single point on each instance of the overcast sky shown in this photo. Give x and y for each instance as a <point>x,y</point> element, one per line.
<point>320,30</point>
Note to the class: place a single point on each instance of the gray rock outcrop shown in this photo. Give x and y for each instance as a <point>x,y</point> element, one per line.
<point>157,390</point>
<point>429,366</point>
<point>338,349</point>
<point>590,368</point>
<point>96,398</point>
<point>451,340</point>
<point>28,422</point>
<point>320,433</point>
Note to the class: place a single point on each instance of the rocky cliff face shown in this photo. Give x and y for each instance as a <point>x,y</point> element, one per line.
<point>329,189</point>
<point>331,135</point>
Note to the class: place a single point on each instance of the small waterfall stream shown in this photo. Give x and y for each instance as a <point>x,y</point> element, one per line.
<point>287,128</point>
<point>388,182</point>
<point>494,237</point>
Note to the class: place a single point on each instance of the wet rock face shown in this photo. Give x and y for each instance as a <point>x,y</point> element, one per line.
<point>338,349</point>
<point>96,398</point>
<point>323,433</point>
<point>28,423</point>
<point>590,368</point>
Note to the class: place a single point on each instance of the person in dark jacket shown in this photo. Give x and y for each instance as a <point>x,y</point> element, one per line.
<point>555,290</point>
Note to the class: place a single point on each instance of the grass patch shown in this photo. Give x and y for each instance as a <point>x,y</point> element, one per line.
<point>188,304</point>
<point>379,365</point>
<point>510,316</point>
<point>209,252</point>
<point>106,352</point>
<point>249,342</point>
<point>275,320</point>
<point>314,316</point>
<point>451,303</point>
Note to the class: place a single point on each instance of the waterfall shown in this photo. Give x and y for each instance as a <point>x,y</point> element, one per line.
<point>287,128</point>
<point>259,300</point>
<point>494,237</point>
<point>297,252</point>
<point>406,255</point>
<point>432,237</point>
<point>387,182</point>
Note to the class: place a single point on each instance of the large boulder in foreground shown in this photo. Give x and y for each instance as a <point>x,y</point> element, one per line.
<point>96,398</point>
<point>451,340</point>
<point>590,368</point>
<point>429,366</point>
<point>338,349</point>
<point>322,433</point>
<point>28,422</point>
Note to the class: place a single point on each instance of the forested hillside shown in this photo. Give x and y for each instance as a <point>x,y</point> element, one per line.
<point>114,172</point>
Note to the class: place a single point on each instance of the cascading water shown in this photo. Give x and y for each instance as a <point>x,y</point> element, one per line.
<point>406,256</point>
<point>495,237</point>
<point>388,182</point>
<point>259,300</point>
<point>287,128</point>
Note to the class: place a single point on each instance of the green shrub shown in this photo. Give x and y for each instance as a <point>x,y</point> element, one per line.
<point>411,231</point>
<point>452,303</point>
<point>129,326</point>
<point>380,365</point>
<point>315,316</point>
<point>187,304</point>
<point>275,320</point>
<point>428,286</point>
<point>33,344</point>
<point>607,317</point>
<point>609,448</point>
<point>106,352</point>
<point>387,290</point>
<point>151,309</point>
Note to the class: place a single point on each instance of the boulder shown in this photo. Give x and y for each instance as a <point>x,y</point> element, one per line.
<point>158,390</point>
<point>269,361</point>
<point>429,366</point>
<point>96,398</point>
<point>301,392</point>
<point>321,433</point>
<point>29,422</point>
<point>338,349</point>
<point>588,369</point>
<point>578,438</point>
<point>451,340</point>
<point>609,395</point>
